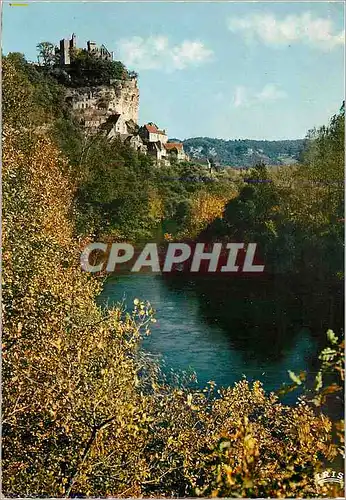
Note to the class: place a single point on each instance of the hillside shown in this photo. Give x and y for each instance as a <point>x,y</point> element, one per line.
<point>244,153</point>
<point>86,412</point>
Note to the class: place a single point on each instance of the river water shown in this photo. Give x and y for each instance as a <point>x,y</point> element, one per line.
<point>224,331</point>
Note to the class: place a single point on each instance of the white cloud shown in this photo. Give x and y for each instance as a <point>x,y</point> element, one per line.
<point>189,53</point>
<point>305,28</point>
<point>270,92</point>
<point>157,53</point>
<point>246,97</point>
<point>240,97</point>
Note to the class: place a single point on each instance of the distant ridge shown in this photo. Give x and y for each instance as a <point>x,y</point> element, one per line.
<point>244,152</point>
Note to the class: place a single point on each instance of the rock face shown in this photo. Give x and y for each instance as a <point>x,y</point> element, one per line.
<point>94,105</point>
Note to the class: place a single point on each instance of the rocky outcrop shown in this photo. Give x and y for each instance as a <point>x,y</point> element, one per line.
<point>94,105</point>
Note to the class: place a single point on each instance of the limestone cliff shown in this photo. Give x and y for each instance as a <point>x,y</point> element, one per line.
<point>94,105</point>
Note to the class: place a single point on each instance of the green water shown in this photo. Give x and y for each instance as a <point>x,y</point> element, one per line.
<point>224,330</point>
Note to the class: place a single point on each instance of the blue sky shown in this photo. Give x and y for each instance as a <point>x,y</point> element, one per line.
<point>229,70</point>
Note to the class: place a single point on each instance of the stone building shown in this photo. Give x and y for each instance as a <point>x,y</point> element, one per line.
<point>66,45</point>
<point>92,119</point>
<point>155,140</point>
<point>151,133</point>
<point>135,142</point>
<point>117,126</point>
<point>176,150</point>
<point>101,52</point>
<point>157,151</point>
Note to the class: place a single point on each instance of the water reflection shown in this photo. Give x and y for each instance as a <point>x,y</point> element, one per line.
<point>222,332</point>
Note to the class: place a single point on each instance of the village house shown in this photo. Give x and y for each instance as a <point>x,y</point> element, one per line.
<point>175,150</point>
<point>159,147</point>
<point>126,130</point>
<point>151,133</point>
<point>157,151</point>
<point>135,142</point>
<point>119,126</point>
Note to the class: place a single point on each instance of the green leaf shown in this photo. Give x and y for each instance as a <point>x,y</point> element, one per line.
<point>333,339</point>
<point>294,377</point>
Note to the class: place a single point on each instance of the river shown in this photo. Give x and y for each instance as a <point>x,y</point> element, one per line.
<point>223,331</point>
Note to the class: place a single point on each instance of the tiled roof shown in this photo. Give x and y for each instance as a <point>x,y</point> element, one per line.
<point>174,145</point>
<point>151,128</point>
<point>154,130</point>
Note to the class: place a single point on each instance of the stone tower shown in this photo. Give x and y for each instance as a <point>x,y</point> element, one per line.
<point>64,52</point>
<point>73,41</point>
<point>65,47</point>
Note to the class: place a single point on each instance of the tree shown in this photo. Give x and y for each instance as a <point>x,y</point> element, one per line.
<point>46,54</point>
<point>88,69</point>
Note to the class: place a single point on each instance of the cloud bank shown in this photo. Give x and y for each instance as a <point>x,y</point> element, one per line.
<point>246,97</point>
<point>156,52</point>
<point>304,28</point>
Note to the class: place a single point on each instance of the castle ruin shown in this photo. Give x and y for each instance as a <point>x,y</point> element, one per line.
<point>68,45</point>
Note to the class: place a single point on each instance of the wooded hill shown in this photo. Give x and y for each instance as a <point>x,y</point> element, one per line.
<point>245,152</point>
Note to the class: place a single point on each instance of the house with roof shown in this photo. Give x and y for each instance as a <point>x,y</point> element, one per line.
<point>157,151</point>
<point>155,140</point>
<point>175,150</point>
<point>126,130</point>
<point>135,142</point>
<point>151,133</point>
<point>117,125</point>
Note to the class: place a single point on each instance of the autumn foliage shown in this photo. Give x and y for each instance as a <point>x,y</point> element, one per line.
<point>85,411</point>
